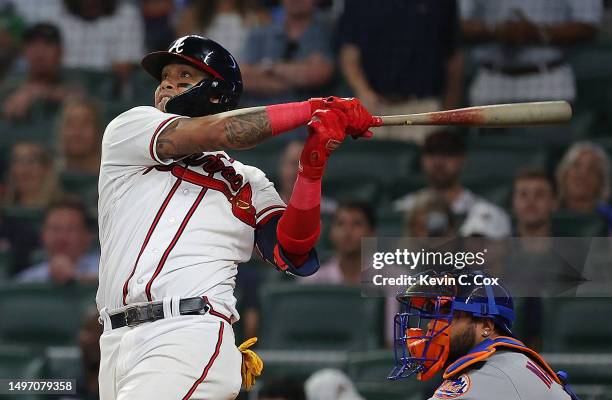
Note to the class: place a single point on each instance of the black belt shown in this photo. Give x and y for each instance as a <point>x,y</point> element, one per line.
<point>141,313</point>
<point>524,69</point>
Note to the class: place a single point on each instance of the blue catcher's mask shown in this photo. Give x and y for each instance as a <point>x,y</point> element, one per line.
<point>422,328</point>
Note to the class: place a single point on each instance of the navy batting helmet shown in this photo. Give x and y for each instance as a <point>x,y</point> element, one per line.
<point>422,327</point>
<point>221,92</point>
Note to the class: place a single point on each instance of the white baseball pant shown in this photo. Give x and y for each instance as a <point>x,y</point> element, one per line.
<point>179,357</point>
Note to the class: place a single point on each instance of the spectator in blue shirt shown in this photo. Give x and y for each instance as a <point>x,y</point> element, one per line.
<point>66,239</point>
<point>288,59</point>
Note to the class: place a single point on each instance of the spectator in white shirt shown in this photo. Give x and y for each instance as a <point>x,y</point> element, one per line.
<point>520,46</point>
<point>443,158</point>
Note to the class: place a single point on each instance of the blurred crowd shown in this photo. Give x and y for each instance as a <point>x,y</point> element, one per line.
<point>69,66</point>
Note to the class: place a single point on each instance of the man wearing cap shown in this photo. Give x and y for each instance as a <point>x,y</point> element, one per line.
<point>43,81</point>
<point>443,158</point>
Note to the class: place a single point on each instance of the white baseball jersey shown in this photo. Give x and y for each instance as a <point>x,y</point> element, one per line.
<point>173,227</point>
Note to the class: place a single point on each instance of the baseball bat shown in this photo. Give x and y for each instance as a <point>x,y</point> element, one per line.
<point>492,116</point>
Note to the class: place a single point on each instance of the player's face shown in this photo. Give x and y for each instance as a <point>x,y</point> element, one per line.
<point>176,78</point>
<point>585,177</point>
<point>443,171</point>
<point>533,201</point>
<point>348,227</point>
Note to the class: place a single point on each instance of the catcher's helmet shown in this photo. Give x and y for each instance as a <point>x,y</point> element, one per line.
<point>219,93</point>
<point>422,327</point>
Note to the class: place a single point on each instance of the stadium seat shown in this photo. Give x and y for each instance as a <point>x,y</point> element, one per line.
<point>389,223</point>
<point>498,191</point>
<point>577,325</point>
<point>97,84</point>
<point>404,185</point>
<point>62,362</point>
<point>266,157</point>
<point>370,370</point>
<point>40,131</point>
<point>341,189</point>
<point>299,364</point>
<point>300,316</point>
<point>20,362</point>
<point>501,163</point>
<point>377,161</point>
<point>5,265</point>
<point>83,185</point>
<point>565,223</point>
<point>22,215</point>
<point>42,314</point>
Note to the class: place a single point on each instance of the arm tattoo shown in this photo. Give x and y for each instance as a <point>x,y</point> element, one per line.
<point>166,146</point>
<point>239,129</point>
<point>249,129</point>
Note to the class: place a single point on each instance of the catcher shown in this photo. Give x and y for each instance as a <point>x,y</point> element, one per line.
<point>465,331</point>
<point>177,214</point>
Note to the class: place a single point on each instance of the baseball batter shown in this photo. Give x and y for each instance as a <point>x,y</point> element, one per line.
<point>465,331</point>
<point>177,214</point>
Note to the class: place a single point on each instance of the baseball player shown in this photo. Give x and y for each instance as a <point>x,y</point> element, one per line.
<point>464,329</point>
<point>177,214</point>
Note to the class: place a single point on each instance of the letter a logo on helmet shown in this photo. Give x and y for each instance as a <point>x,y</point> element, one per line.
<point>177,46</point>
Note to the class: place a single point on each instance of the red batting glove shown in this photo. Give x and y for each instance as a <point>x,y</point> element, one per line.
<point>359,119</point>
<point>326,131</point>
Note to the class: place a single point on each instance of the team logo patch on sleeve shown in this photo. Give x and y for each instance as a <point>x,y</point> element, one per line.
<point>453,387</point>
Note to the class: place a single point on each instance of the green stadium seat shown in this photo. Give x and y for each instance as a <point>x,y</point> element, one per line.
<point>389,223</point>
<point>83,185</point>
<point>299,364</point>
<point>29,216</point>
<point>591,62</point>
<point>577,325</point>
<point>498,191</point>
<point>42,314</point>
<point>341,189</point>
<point>370,370</point>
<point>296,316</point>
<point>143,87</point>
<point>20,362</point>
<point>266,157</point>
<point>376,161</point>
<point>23,363</point>
<point>5,265</point>
<point>565,223</point>
<point>404,185</point>
<point>373,367</point>
<point>62,362</point>
<point>501,163</point>
<point>38,131</point>
<point>98,84</point>
<point>589,372</point>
